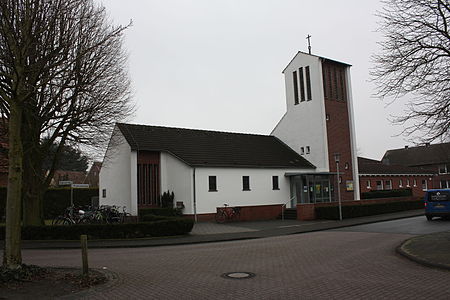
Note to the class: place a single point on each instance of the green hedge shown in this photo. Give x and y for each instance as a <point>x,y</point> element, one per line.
<point>152,218</point>
<point>168,227</point>
<point>166,211</point>
<point>387,194</point>
<point>56,200</point>
<point>353,211</point>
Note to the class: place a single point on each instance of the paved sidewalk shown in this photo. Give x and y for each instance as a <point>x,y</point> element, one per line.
<point>212,232</point>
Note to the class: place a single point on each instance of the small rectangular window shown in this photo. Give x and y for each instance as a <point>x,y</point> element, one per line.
<point>104,193</point>
<point>407,182</point>
<point>379,185</point>
<point>400,183</point>
<point>302,150</point>
<point>275,185</point>
<point>368,184</point>
<point>294,78</point>
<point>246,183</point>
<point>443,169</point>
<point>302,84</point>
<point>424,185</point>
<point>388,185</point>
<point>212,182</point>
<point>414,182</point>
<point>308,83</point>
<point>308,150</point>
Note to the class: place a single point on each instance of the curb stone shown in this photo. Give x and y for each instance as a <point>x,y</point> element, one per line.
<point>401,249</point>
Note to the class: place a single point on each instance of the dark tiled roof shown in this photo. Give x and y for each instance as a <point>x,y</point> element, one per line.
<point>419,156</point>
<point>368,166</point>
<point>213,148</point>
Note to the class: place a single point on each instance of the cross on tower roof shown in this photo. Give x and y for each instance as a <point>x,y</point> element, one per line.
<point>308,37</point>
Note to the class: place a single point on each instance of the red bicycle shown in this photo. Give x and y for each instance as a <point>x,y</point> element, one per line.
<point>227,213</point>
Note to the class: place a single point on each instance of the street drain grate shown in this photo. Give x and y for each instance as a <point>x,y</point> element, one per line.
<point>238,275</point>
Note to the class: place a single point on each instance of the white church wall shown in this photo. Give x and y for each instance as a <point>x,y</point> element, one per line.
<point>304,124</point>
<point>115,174</point>
<point>177,177</point>
<point>230,189</point>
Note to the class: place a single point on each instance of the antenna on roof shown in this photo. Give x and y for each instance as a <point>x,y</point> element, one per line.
<point>308,37</point>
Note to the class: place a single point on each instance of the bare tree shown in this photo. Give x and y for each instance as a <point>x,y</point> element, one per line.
<point>63,80</point>
<point>415,60</point>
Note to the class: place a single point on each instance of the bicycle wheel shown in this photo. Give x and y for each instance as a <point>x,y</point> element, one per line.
<point>61,221</point>
<point>221,217</point>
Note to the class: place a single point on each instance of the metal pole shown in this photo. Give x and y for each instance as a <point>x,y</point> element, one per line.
<point>71,195</point>
<point>339,191</point>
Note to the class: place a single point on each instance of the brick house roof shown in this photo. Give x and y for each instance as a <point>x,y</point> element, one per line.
<point>214,148</point>
<point>368,166</point>
<point>419,156</point>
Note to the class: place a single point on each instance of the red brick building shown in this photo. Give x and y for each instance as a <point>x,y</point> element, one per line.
<point>376,176</point>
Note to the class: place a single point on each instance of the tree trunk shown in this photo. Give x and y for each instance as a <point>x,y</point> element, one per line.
<point>33,176</point>
<point>12,257</point>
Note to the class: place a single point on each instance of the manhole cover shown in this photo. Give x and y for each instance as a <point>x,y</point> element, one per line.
<point>238,275</point>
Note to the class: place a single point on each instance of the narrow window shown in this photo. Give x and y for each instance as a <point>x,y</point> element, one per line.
<point>424,185</point>
<point>104,193</point>
<point>308,150</point>
<point>246,183</point>
<point>212,180</point>
<point>275,185</point>
<point>407,182</point>
<point>302,150</point>
<point>342,87</point>
<point>346,166</point>
<point>308,83</point>
<point>294,78</point>
<point>368,184</point>
<point>302,84</point>
<point>443,169</point>
<point>327,117</point>
<point>400,183</point>
<point>414,182</point>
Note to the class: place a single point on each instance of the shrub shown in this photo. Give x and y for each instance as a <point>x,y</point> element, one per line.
<point>387,194</point>
<point>151,218</point>
<point>158,211</point>
<point>167,199</point>
<point>56,200</point>
<point>168,227</point>
<point>353,211</point>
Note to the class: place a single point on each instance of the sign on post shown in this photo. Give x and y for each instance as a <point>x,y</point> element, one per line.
<point>80,185</point>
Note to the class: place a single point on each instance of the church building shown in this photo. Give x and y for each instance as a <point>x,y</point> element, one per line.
<point>310,156</point>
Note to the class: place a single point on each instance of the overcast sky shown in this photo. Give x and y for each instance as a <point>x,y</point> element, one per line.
<point>211,64</point>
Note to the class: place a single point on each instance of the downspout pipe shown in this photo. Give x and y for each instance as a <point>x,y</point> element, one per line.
<point>194,195</point>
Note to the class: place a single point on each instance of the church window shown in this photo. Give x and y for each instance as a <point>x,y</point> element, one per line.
<point>308,83</point>
<point>275,185</point>
<point>104,193</point>
<point>246,183</point>
<point>308,150</point>
<point>212,182</point>
<point>302,84</point>
<point>294,78</point>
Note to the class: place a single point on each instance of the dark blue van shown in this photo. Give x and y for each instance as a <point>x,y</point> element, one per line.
<point>437,203</point>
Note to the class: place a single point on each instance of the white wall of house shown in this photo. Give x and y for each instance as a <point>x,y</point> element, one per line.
<point>116,173</point>
<point>304,124</point>
<point>229,187</point>
<point>177,177</point>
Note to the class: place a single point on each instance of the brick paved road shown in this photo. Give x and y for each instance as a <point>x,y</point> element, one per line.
<point>321,265</point>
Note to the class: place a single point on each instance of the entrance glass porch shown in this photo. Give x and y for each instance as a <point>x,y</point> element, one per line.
<point>311,188</point>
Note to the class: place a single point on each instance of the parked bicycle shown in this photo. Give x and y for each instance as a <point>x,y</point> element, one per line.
<point>105,214</point>
<point>227,213</point>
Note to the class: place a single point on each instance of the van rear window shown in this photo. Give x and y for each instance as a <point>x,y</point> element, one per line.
<point>439,196</point>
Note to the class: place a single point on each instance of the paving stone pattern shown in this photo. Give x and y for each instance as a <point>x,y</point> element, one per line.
<point>320,265</point>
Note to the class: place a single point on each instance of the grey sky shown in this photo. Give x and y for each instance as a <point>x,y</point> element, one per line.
<point>211,64</point>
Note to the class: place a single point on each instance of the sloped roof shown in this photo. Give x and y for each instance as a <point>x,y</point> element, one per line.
<point>419,156</point>
<point>214,148</point>
<point>367,166</point>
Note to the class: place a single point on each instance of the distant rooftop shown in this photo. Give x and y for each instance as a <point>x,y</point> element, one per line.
<point>419,156</point>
